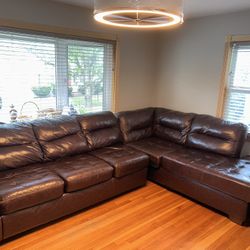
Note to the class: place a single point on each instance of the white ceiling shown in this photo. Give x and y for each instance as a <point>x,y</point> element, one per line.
<point>192,8</point>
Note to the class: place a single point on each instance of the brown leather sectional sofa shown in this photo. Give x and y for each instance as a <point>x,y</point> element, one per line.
<point>54,167</point>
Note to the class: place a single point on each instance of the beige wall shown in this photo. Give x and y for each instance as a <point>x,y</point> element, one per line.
<point>191,60</point>
<point>137,54</point>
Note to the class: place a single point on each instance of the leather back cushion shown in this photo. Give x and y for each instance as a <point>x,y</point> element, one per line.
<point>101,129</point>
<point>137,124</point>
<point>18,146</point>
<point>60,137</point>
<point>216,135</point>
<point>172,125</point>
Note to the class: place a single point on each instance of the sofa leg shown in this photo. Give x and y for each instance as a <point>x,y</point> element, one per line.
<point>239,215</point>
<point>237,219</point>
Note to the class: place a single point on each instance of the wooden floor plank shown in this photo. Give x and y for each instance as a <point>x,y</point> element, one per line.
<point>148,218</point>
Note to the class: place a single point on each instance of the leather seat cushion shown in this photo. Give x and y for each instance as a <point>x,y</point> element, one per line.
<point>28,186</point>
<point>125,160</point>
<point>155,148</point>
<point>82,171</point>
<point>228,175</point>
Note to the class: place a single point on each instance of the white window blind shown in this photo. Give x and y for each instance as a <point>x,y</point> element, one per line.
<point>43,76</point>
<point>237,105</point>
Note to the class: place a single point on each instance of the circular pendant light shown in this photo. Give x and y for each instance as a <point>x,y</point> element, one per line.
<point>139,14</point>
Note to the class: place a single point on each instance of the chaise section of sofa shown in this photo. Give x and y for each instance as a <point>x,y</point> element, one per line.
<point>196,155</point>
<point>210,167</point>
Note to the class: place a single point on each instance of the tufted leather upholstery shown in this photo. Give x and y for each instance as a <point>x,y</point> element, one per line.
<point>60,137</point>
<point>136,125</point>
<point>172,125</point>
<point>216,135</point>
<point>124,160</point>
<point>26,187</point>
<point>81,171</point>
<point>18,146</point>
<point>231,176</point>
<point>101,129</point>
<point>155,148</point>
<point>69,163</point>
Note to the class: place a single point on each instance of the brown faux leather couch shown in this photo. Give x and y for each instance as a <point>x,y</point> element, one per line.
<point>54,167</point>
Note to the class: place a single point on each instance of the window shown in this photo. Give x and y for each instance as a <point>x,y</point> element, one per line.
<point>43,76</point>
<point>237,89</point>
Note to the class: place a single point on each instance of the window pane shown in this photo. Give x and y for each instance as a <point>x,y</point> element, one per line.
<point>27,70</point>
<point>238,108</point>
<point>242,69</point>
<point>48,76</point>
<point>237,105</point>
<point>86,68</point>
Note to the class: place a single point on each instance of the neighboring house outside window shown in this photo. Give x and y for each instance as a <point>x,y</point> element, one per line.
<point>235,106</point>
<point>44,76</point>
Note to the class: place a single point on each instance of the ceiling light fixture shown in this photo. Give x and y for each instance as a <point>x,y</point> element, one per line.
<point>139,14</point>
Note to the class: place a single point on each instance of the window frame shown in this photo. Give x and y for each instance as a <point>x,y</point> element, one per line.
<point>74,34</point>
<point>228,53</point>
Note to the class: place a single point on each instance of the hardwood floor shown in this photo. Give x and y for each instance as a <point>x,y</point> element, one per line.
<point>148,218</point>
